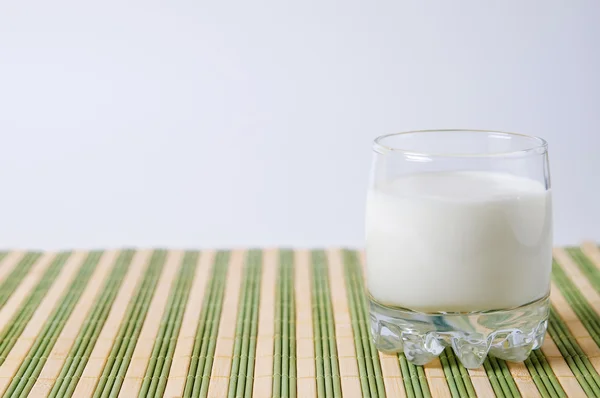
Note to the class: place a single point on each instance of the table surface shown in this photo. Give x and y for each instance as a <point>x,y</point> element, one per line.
<point>260,323</point>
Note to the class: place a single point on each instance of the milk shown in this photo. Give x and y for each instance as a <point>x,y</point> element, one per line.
<point>459,241</point>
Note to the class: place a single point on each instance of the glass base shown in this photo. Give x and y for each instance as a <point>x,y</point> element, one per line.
<point>505,334</point>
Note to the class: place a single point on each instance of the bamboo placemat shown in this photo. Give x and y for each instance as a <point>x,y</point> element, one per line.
<point>254,323</point>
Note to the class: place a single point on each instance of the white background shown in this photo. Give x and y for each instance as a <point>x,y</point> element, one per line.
<point>212,123</point>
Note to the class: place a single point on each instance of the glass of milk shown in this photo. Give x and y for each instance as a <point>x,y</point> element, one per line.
<point>459,244</point>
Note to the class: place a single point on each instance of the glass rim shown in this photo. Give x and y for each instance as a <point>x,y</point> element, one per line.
<point>538,144</point>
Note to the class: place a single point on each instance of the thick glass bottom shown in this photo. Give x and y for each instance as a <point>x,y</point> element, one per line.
<point>506,334</point>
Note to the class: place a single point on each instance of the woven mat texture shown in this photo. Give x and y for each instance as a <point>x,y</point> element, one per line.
<point>254,323</point>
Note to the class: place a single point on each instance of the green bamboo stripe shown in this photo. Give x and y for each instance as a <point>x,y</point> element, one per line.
<point>15,277</point>
<point>415,382</point>
<point>292,324</point>
<point>33,363</point>
<point>285,355</point>
<point>578,362</point>
<point>457,376</point>
<point>326,357</point>
<point>453,383</point>
<point>13,329</point>
<point>206,332</point>
<point>120,356</point>
<point>500,378</point>
<point>543,376</point>
<point>90,330</point>
<point>2,255</point>
<point>244,349</point>
<point>284,358</point>
<point>278,343</point>
<point>577,301</point>
<point>586,266</point>
<point>367,358</point>
<point>494,381</point>
<point>158,368</point>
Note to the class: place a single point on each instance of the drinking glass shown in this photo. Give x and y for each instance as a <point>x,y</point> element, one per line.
<point>459,244</point>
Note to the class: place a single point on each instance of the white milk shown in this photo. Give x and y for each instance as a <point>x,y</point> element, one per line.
<point>459,241</point>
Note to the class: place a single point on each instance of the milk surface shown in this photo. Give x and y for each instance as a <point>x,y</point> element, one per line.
<point>459,241</point>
